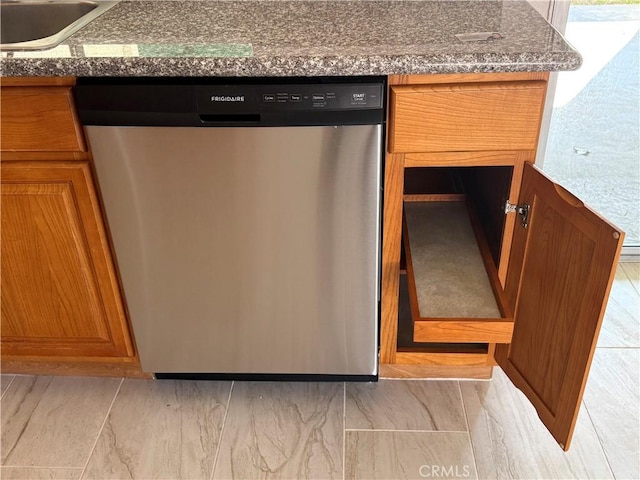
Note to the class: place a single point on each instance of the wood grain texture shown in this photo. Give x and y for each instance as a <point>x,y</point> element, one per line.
<point>462,159</point>
<point>435,197</point>
<point>484,330</point>
<point>72,366</point>
<point>491,352</point>
<point>45,156</point>
<point>512,218</point>
<point>465,78</point>
<point>450,154</point>
<point>561,270</point>
<point>441,358</point>
<point>37,81</point>
<point>391,245</point>
<point>466,117</point>
<point>59,291</point>
<point>39,119</point>
<point>480,372</point>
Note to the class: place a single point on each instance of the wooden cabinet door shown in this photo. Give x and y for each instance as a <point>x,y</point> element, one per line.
<point>59,291</point>
<point>560,273</point>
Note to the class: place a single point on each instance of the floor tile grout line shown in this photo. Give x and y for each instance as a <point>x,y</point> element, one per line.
<point>224,423</point>
<point>39,467</point>
<point>48,380</point>
<point>595,429</point>
<point>8,387</point>
<point>466,419</point>
<point>106,417</point>
<point>618,348</point>
<point>344,429</point>
<point>401,430</point>
<point>464,410</point>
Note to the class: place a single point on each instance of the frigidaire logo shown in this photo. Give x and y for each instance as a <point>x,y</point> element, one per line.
<point>227,98</point>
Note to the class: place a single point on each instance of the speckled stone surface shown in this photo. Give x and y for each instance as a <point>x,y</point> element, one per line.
<point>302,38</point>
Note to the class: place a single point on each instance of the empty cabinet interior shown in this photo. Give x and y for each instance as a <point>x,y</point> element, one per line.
<point>451,298</point>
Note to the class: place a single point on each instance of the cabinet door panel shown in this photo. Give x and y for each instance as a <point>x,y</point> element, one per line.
<point>560,273</point>
<point>59,293</point>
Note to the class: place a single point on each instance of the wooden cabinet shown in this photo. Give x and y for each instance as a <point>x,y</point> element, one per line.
<point>61,307</point>
<point>467,286</point>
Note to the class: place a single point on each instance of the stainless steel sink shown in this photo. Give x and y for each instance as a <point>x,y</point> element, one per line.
<point>41,24</point>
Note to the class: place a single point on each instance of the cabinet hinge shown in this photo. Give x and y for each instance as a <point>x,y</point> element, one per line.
<point>521,210</point>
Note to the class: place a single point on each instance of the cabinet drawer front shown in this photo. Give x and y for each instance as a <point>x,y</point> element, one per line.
<point>39,119</point>
<point>466,117</point>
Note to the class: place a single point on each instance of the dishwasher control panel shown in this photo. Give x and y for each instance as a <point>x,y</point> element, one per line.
<point>227,102</point>
<point>293,97</point>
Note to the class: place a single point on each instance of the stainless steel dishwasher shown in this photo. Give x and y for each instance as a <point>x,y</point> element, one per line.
<point>245,219</point>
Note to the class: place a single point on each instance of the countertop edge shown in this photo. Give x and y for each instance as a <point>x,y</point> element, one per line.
<point>289,66</point>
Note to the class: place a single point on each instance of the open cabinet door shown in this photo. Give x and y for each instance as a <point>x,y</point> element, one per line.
<point>560,272</point>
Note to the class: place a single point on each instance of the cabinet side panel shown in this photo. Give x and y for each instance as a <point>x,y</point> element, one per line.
<point>391,240</point>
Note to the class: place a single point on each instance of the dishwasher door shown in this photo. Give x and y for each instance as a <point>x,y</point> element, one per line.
<point>247,250</point>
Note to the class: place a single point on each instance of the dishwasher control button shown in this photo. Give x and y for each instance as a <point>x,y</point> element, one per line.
<point>295,97</point>
<point>318,100</point>
<point>268,97</point>
<point>358,98</point>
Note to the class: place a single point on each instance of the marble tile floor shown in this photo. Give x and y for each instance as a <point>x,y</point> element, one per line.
<point>102,428</point>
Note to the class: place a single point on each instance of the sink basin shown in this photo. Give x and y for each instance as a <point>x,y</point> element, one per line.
<point>41,24</point>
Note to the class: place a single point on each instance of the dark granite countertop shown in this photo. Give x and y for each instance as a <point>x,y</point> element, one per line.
<point>302,38</point>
